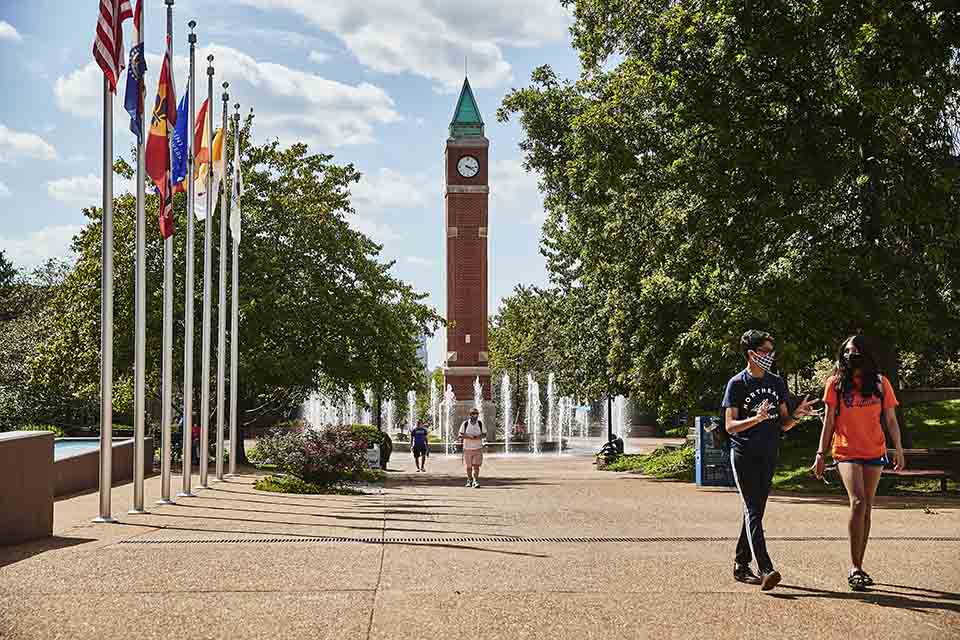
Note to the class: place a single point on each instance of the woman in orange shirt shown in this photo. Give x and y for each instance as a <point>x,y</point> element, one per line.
<point>859,402</point>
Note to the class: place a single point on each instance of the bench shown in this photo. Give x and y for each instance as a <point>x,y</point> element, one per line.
<point>924,464</point>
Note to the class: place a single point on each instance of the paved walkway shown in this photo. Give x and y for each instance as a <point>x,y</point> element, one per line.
<point>538,551</point>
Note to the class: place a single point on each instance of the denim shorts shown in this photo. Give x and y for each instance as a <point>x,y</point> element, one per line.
<point>872,462</point>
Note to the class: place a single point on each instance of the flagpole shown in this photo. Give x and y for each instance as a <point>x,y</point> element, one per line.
<point>187,466</point>
<point>222,308</point>
<point>234,338</point>
<point>207,230</point>
<point>106,312</point>
<point>167,383</point>
<point>140,306</point>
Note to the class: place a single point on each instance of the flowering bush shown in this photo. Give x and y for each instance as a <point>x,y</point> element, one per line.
<point>325,457</point>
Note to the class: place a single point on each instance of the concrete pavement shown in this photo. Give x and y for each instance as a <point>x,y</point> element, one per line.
<point>532,553</point>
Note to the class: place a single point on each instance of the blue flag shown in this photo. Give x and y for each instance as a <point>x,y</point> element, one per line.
<point>180,144</point>
<point>133,97</point>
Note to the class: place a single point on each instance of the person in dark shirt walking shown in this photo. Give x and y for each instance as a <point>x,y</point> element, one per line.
<point>755,407</point>
<point>419,446</point>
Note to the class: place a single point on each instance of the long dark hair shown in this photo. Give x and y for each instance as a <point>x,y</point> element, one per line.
<point>869,382</point>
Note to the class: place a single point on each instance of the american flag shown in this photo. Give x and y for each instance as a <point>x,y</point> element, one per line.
<point>108,45</point>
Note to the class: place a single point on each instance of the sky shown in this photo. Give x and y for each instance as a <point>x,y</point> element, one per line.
<point>372,82</point>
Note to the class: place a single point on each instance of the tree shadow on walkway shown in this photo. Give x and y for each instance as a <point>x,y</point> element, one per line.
<point>915,599</point>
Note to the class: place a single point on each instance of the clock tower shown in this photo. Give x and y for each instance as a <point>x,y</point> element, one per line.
<point>466,197</point>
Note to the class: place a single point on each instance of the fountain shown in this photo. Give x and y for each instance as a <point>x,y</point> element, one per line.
<point>390,406</point>
<point>411,410</point>
<point>534,420</point>
<point>478,399</point>
<point>368,406</point>
<point>449,401</point>
<point>505,398</point>
<point>551,416</point>
<point>435,408</point>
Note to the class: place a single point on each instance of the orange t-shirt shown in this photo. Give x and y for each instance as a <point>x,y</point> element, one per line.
<point>857,433</point>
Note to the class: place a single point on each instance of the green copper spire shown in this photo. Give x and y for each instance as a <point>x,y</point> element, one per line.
<point>467,121</point>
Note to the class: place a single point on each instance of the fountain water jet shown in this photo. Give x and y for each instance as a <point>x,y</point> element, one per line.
<point>505,398</point>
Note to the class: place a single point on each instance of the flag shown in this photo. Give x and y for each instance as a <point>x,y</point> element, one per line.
<point>201,160</point>
<point>133,98</point>
<point>179,149</point>
<point>237,188</point>
<point>158,146</point>
<point>108,43</point>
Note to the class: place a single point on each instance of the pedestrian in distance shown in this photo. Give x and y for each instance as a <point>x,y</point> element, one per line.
<point>755,412</point>
<point>471,436</point>
<point>860,402</point>
<point>420,446</point>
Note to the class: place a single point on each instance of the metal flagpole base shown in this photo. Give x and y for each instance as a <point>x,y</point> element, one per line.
<point>102,520</point>
<point>186,495</point>
<point>137,512</point>
<point>166,502</point>
<point>204,486</point>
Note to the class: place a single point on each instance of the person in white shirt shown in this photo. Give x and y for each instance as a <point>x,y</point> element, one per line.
<point>471,436</point>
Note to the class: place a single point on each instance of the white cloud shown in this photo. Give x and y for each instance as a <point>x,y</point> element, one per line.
<point>378,232</point>
<point>9,32</point>
<point>433,38</point>
<point>4,191</point>
<point>20,144</point>
<point>36,247</point>
<point>513,189</point>
<point>319,56</point>
<point>390,189</point>
<point>86,190</point>
<point>290,104</point>
<point>423,262</point>
<point>81,92</point>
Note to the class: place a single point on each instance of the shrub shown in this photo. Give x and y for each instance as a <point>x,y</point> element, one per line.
<point>57,431</point>
<point>371,435</point>
<point>324,457</point>
<point>661,463</point>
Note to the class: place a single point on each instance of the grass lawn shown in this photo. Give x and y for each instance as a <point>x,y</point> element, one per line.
<point>931,425</point>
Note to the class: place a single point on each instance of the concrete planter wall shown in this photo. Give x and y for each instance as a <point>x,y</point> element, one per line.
<point>81,472</point>
<point>26,486</point>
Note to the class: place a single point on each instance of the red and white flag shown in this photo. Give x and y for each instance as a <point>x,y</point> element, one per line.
<point>108,45</point>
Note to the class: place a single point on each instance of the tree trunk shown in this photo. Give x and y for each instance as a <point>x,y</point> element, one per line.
<point>379,417</point>
<point>238,449</point>
<point>888,359</point>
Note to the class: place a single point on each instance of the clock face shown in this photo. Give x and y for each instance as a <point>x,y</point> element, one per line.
<point>468,166</point>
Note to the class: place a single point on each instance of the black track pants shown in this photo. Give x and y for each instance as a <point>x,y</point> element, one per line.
<point>754,477</point>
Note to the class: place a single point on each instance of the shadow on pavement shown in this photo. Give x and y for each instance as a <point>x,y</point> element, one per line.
<point>917,602</point>
<point>364,518</point>
<point>14,554</point>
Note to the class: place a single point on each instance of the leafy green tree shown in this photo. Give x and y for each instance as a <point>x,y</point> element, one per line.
<point>317,306</point>
<point>780,165</point>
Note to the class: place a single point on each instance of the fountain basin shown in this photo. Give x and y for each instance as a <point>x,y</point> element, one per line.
<point>500,447</point>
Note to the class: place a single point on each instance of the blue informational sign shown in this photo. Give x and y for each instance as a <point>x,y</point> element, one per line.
<point>713,454</point>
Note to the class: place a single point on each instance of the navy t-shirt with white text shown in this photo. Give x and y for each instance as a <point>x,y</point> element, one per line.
<point>747,393</point>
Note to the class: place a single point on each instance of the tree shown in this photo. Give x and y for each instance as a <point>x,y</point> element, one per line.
<point>315,299</point>
<point>725,165</point>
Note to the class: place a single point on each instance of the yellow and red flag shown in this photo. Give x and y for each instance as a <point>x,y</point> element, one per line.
<point>158,146</point>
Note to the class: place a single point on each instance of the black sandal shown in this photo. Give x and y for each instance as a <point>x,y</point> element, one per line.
<point>857,581</point>
<point>867,580</point>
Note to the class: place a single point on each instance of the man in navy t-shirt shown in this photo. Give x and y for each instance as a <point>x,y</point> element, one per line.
<point>755,407</point>
<point>419,446</point>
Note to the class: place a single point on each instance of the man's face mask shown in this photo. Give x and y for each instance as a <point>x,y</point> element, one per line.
<point>473,417</point>
<point>764,360</point>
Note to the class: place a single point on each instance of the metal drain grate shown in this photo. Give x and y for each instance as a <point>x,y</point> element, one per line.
<point>521,540</point>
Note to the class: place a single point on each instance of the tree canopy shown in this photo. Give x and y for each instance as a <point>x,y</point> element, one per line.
<point>318,306</point>
<point>720,166</point>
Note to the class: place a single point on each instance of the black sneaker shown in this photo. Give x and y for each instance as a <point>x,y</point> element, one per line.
<point>743,573</point>
<point>769,580</point>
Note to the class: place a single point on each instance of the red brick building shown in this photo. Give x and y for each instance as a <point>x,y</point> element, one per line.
<point>466,207</point>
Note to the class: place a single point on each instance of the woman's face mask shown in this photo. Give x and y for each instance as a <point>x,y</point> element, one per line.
<point>854,360</point>
<point>764,360</point>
